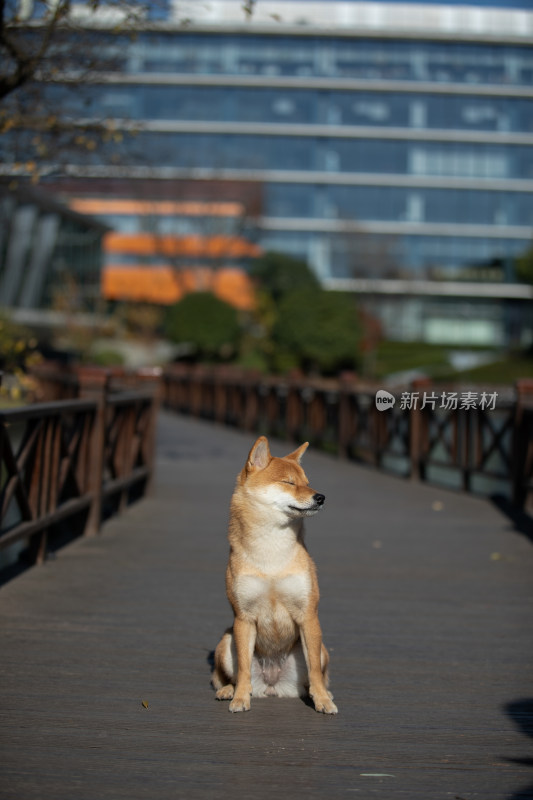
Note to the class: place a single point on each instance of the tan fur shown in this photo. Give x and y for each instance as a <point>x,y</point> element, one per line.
<point>275,645</point>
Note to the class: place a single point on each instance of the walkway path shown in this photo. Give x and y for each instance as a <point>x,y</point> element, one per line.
<point>427,608</point>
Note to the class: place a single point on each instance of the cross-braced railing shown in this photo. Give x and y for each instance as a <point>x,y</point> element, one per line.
<point>128,443</point>
<point>442,437</point>
<point>70,462</point>
<point>45,462</point>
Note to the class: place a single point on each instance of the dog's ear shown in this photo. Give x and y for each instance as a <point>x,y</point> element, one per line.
<point>297,455</point>
<point>259,456</point>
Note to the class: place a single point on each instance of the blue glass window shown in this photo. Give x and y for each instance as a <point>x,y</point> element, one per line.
<point>286,106</point>
<point>307,56</point>
<point>398,204</point>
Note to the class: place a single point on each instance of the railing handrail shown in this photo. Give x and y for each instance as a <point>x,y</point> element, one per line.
<point>35,410</point>
<point>130,396</point>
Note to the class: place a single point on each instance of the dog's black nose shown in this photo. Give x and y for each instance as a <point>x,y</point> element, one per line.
<point>319,499</point>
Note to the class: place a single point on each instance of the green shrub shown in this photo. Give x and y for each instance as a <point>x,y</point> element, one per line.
<point>205,322</point>
<point>279,274</point>
<point>524,266</point>
<point>106,358</point>
<point>318,329</point>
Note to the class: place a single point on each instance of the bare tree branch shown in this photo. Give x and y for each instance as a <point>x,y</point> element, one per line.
<point>248,7</point>
<point>24,65</point>
<point>50,49</point>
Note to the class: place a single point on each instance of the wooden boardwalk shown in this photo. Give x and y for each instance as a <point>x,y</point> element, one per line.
<point>426,607</point>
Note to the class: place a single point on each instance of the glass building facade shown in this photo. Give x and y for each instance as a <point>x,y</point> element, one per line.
<point>50,257</point>
<point>382,151</point>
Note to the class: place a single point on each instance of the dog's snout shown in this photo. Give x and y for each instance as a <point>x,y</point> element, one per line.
<point>319,499</point>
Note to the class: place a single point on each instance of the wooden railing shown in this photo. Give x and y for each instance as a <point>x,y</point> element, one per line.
<point>486,449</point>
<point>476,447</point>
<point>74,460</point>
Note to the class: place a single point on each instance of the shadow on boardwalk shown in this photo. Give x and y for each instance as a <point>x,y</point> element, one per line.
<point>426,608</point>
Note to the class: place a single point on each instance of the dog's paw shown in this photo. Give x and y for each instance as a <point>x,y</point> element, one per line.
<point>323,702</point>
<point>240,703</point>
<point>226,692</point>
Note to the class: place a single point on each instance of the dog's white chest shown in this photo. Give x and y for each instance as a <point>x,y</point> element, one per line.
<point>259,596</point>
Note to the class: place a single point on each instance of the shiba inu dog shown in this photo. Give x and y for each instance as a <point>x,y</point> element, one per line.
<point>275,645</point>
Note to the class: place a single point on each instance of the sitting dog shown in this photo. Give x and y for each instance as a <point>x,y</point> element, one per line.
<point>275,645</point>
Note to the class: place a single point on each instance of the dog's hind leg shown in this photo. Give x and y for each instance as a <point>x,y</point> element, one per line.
<point>224,676</point>
<point>324,662</point>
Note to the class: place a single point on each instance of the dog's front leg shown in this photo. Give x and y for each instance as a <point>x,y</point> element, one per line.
<point>311,637</point>
<point>244,633</point>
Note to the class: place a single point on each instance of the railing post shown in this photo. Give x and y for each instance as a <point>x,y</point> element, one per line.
<point>466,449</point>
<point>36,552</point>
<point>347,381</point>
<point>220,394</point>
<point>295,406</point>
<point>94,383</point>
<point>418,432</point>
<point>251,383</point>
<point>522,453</point>
<point>54,381</point>
<point>152,377</point>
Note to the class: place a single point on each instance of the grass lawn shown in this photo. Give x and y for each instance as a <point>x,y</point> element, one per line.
<point>392,357</point>
<point>504,370</point>
<point>434,361</point>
